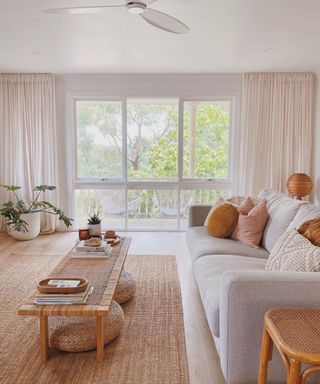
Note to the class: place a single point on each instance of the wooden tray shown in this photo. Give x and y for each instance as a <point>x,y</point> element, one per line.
<point>114,241</point>
<point>43,286</point>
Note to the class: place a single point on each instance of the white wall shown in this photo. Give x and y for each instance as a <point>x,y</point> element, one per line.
<point>131,85</point>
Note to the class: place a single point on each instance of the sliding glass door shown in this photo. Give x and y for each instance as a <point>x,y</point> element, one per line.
<point>141,162</point>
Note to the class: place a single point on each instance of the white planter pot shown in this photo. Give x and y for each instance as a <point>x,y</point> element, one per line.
<point>33,221</point>
<point>94,229</point>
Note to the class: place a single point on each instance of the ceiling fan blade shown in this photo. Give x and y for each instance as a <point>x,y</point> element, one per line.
<point>83,10</point>
<point>147,2</point>
<point>164,21</point>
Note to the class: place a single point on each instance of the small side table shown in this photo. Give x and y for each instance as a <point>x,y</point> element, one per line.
<point>296,334</point>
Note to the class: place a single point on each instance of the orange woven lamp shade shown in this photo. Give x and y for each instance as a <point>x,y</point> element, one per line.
<point>299,185</point>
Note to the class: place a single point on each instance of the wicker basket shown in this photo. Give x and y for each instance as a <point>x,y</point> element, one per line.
<point>125,289</point>
<point>78,334</point>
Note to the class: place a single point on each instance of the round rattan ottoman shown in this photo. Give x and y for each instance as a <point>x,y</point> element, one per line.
<point>78,334</point>
<point>125,289</point>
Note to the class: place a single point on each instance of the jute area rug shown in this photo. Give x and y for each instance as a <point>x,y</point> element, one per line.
<point>150,349</point>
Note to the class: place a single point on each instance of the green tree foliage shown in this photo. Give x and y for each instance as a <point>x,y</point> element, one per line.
<point>148,125</point>
<point>212,135</point>
<point>152,140</point>
<point>99,133</point>
<point>163,156</point>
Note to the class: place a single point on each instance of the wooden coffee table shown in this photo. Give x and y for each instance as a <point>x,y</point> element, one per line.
<point>103,274</point>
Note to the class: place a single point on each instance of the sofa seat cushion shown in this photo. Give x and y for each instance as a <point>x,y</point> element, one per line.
<point>200,244</point>
<point>208,271</point>
<point>282,210</point>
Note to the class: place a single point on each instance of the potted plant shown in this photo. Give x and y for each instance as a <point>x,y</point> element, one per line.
<point>94,225</point>
<point>24,218</point>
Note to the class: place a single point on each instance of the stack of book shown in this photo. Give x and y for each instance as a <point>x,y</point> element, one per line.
<point>61,298</point>
<point>84,251</point>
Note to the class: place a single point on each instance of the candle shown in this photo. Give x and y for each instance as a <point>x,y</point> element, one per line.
<point>84,234</point>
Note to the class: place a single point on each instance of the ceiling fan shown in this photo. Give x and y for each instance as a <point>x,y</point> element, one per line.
<point>156,18</point>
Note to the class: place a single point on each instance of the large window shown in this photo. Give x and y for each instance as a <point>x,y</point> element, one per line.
<point>142,162</point>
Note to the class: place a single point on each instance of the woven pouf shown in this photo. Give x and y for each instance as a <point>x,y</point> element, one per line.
<point>125,289</point>
<point>78,334</point>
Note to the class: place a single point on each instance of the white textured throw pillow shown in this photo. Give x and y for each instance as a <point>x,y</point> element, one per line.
<point>294,253</point>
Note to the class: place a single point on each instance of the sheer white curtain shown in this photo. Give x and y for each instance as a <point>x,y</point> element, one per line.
<point>276,130</point>
<point>28,149</point>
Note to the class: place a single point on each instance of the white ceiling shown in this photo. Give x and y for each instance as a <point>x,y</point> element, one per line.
<point>227,36</point>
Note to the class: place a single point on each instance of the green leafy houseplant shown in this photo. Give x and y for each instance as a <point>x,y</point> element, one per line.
<point>13,209</point>
<point>94,219</point>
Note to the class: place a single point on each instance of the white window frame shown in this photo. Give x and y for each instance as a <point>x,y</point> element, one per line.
<point>123,183</point>
<point>207,181</point>
<point>75,140</point>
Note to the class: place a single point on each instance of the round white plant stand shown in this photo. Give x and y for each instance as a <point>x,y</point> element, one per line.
<point>33,221</point>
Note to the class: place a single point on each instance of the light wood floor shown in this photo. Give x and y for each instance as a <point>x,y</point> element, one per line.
<point>203,360</point>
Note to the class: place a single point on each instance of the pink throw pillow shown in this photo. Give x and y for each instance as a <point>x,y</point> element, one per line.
<point>246,206</point>
<point>249,229</point>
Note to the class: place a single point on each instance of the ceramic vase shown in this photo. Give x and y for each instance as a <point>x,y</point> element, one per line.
<point>94,229</point>
<point>33,226</point>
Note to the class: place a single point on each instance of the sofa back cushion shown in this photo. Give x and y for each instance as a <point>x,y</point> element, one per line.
<point>282,210</point>
<point>306,212</point>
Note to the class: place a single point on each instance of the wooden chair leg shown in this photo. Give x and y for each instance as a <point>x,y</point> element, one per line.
<point>294,372</point>
<point>265,356</point>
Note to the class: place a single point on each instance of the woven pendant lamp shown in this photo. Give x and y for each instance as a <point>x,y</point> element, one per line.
<point>299,185</point>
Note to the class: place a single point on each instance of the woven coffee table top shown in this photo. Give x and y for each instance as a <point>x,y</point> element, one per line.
<point>296,330</point>
<point>102,274</point>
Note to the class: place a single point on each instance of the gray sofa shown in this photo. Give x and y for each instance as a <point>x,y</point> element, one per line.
<point>236,291</point>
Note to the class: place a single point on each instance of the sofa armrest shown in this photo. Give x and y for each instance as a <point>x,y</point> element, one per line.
<point>198,214</point>
<point>245,297</point>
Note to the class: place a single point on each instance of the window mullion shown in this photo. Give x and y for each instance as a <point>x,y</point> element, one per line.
<point>180,155</point>
<point>125,156</point>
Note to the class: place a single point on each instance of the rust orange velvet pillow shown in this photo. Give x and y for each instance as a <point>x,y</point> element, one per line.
<point>311,230</point>
<point>223,221</point>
